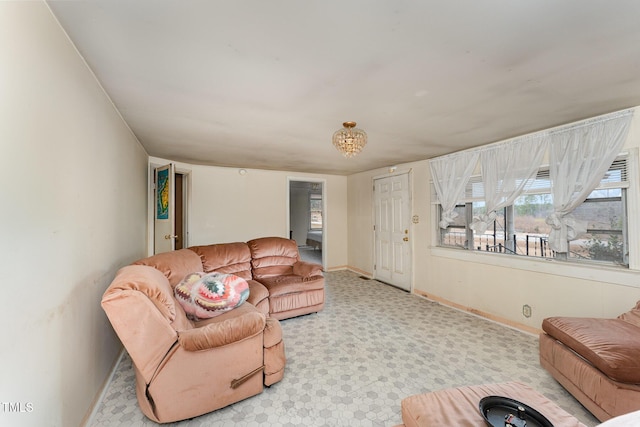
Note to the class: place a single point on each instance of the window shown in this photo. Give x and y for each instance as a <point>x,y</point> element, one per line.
<point>315,211</point>
<point>521,229</point>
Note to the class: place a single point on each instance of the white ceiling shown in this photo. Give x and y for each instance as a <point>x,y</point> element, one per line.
<point>264,84</point>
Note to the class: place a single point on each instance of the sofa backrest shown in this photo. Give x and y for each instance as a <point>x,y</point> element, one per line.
<point>632,316</point>
<point>227,258</point>
<point>273,256</point>
<point>175,265</point>
<point>142,310</point>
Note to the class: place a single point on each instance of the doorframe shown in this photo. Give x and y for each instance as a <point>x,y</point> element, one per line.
<point>394,172</point>
<point>151,198</point>
<point>325,221</point>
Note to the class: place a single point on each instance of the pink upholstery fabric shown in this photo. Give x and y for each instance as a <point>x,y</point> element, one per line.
<point>611,345</point>
<point>258,296</point>
<point>307,269</point>
<point>459,406</point>
<point>284,285</point>
<point>632,316</point>
<point>232,326</point>
<point>174,265</point>
<point>141,310</point>
<point>275,263</point>
<point>228,258</point>
<point>602,396</point>
<point>596,360</point>
<point>192,383</point>
<point>183,368</point>
<point>297,310</point>
<point>272,256</point>
<point>147,281</point>
<point>274,357</point>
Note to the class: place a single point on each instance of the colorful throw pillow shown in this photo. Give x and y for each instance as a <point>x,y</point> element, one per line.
<point>206,295</point>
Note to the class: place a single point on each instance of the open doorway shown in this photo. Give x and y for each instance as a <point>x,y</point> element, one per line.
<point>179,221</point>
<point>168,196</point>
<point>307,218</point>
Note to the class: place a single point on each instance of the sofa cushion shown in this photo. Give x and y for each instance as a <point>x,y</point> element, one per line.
<point>611,345</point>
<point>206,295</point>
<point>228,258</point>
<point>288,284</point>
<point>632,316</point>
<point>231,326</point>
<point>459,406</point>
<point>258,292</point>
<point>272,256</point>
<point>148,281</point>
<point>174,265</point>
<point>307,270</point>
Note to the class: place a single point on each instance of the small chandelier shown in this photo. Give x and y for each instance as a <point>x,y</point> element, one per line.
<point>349,140</point>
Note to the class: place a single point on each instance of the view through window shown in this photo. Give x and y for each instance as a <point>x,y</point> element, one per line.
<point>315,211</point>
<point>521,229</point>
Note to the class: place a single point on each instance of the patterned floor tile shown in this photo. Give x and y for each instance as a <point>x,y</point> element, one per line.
<point>352,363</point>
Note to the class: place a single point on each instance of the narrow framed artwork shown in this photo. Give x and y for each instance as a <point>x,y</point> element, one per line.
<point>163,184</point>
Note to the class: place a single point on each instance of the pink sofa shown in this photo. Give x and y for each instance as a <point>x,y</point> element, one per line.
<point>596,360</point>
<point>186,368</point>
<point>295,287</point>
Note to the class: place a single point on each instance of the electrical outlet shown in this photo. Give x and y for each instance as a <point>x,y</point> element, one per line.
<point>526,310</point>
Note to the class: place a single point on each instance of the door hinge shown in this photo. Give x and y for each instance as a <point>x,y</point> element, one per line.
<point>375,266</point>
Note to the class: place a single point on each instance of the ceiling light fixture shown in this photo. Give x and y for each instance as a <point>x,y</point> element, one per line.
<point>349,140</point>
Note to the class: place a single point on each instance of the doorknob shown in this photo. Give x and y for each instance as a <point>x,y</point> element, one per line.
<point>406,239</point>
<point>169,236</point>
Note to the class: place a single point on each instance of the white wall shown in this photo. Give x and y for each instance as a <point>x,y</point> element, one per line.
<point>73,211</point>
<point>492,284</point>
<point>228,207</point>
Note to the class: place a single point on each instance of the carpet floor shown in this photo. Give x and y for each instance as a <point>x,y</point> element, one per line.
<point>352,363</point>
<point>307,253</point>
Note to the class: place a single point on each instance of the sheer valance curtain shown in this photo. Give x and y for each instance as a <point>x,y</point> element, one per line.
<point>450,176</point>
<point>507,170</point>
<point>579,156</point>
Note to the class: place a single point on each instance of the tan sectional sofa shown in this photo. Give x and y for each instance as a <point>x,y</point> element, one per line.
<point>187,368</point>
<point>596,360</point>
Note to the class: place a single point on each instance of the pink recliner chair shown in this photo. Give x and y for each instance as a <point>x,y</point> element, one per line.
<point>186,368</point>
<point>295,287</point>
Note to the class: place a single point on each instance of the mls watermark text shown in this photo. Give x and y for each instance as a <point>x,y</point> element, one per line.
<point>16,407</point>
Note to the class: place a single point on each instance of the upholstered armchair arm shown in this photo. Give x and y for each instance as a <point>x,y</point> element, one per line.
<point>227,331</point>
<point>307,269</point>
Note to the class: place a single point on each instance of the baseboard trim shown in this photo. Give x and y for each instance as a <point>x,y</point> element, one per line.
<point>352,269</point>
<point>88,419</point>
<point>492,317</point>
<point>361,272</point>
<point>488,316</point>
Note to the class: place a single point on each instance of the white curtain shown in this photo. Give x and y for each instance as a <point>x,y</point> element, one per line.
<point>507,170</point>
<point>450,176</point>
<point>579,157</point>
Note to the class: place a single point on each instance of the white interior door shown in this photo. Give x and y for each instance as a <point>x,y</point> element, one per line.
<point>392,239</point>
<point>164,226</point>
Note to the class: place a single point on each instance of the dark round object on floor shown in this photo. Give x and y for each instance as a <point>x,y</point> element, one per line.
<point>499,411</point>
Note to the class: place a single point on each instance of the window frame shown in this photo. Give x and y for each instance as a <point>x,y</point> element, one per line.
<point>630,164</point>
<point>313,196</point>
